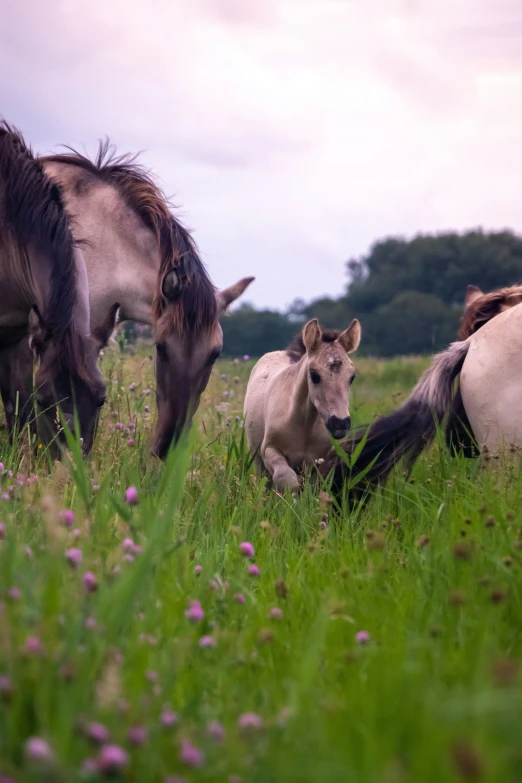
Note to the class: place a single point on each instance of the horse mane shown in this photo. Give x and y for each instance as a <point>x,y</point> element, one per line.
<point>196,307</point>
<point>32,207</point>
<point>296,350</point>
<point>487,306</point>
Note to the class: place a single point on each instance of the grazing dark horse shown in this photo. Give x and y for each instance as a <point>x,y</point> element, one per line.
<point>44,296</point>
<point>140,257</point>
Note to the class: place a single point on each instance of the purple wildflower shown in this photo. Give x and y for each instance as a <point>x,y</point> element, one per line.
<point>253,570</point>
<point>168,717</point>
<point>6,687</point>
<point>195,612</point>
<point>137,736</point>
<point>198,569</point>
<point>74,557</point>
<point>2,530</point>
<point>14,593</point>
<point>216,731</point>
<point>38,749</point>
<point>249,720</point>
<point>190,755</point>
<point>112,759</point>
<point>97,733</point>
<point>132,387</point>
<point>130,442</point>
<point>33,645</point>
<point>362,637</point>
<point>131,496</point>
<point>246,357</point>
<point>246,549</point>
<point>66,516</point>
<point>275,613</point>
<point>89,582</point>
<point>207,641</point>
<point>239,598</point>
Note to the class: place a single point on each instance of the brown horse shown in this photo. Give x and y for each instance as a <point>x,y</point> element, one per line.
<point>139,256</point>
<point>44,295</point>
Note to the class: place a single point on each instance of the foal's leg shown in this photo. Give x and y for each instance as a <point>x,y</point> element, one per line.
<point>282,474</point>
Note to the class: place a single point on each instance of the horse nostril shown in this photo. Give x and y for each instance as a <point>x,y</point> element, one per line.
<point>338,427</point>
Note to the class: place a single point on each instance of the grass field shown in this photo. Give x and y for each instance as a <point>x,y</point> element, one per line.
<point>135,642</point>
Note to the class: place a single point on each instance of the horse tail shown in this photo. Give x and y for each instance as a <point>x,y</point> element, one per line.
<point>404,433</point>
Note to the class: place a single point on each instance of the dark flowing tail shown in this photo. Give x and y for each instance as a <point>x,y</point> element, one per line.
<point>404,433</point>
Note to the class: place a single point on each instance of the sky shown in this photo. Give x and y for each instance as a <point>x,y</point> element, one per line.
<point>292,134</point>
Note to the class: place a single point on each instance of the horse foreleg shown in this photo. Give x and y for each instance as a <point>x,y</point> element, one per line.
<point>282,474</point>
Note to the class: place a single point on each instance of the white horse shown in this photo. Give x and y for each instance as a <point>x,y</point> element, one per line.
<point>489,367</point>
<point>296,399</point>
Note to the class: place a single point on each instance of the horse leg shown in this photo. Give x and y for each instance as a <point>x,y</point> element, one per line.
<point>282,474</point>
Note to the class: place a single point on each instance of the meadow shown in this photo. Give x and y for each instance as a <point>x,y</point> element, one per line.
<point>140,640</point>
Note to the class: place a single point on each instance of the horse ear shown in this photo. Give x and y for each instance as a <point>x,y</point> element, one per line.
<point>170,285</point>
<point>312,335</point>
<point>103,333</point>
<point>351,337</point>
<point>229,295</point>
<point>38,333</point>
<point>472,293</point>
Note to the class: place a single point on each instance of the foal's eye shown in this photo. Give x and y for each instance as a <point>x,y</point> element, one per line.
<point>101,402</point>
<point>315,377</point>
<point>352,378</point>
<point>161,350</point>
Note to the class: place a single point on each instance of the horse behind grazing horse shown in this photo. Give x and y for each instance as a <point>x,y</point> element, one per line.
<point>297,398</point>
<point>44,293</point>
<point>489,369</point>
<point>480,308</point>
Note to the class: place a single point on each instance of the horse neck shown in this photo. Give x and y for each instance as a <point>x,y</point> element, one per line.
<point>301,409</point>
<point>25,280</point>
<point>121,254</point>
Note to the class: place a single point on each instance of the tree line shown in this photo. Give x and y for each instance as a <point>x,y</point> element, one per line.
<point>408,295</point>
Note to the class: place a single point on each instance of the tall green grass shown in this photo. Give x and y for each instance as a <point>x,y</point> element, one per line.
<point>430,569</point>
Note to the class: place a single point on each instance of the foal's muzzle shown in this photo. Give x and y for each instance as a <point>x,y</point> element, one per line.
<point>337,427</point>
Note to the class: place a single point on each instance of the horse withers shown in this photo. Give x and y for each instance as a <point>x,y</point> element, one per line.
<point>298,399</point>
<point>44,295</point>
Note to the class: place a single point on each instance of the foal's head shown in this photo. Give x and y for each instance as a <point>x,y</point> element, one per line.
<point>331,373</point>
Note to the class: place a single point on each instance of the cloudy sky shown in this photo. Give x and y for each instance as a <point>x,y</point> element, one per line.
<point>293,133</point>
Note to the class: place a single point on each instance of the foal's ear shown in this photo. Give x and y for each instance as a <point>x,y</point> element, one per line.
<point>351,337</point>
<point>312,335</point>
<point>103,333</point>
<point>472,293</point>
<point>38,333</point>
<point>229,295</point>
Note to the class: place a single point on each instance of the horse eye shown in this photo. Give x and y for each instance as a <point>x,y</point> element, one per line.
<point>352,378</point>
<point>101,402</point>
<point>315,377</point>
<point>161,350</point>
<point>214,356</point>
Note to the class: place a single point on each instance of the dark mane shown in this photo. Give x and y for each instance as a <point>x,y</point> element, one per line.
<point>33,209</point>
<point>196,307</point>
<point>296,350</point>
<point>487,306</point>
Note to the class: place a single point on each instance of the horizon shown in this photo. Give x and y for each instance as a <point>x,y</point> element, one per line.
<point>294,133</point>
